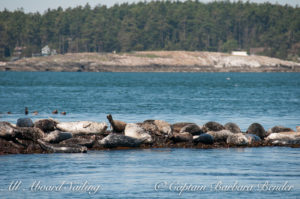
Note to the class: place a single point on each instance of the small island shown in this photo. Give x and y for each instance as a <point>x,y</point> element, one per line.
<point>153,61</point>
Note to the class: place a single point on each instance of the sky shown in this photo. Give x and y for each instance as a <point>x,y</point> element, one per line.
<point>43,5</point>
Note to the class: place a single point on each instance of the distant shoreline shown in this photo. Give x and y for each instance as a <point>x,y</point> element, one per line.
<point>152,61</point>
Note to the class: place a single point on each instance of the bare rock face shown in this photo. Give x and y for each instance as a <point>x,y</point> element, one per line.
<point>7,130</point>
<point>220,136</point>
<point>232,127</point>
<point>82,127</point>
<point>57,136</point>
<point>135,131</point>
<point>46,125</point>
<point>24,122</point>
<point>182,137</point>
<point>29,133</point>
<point>118,140</point>
<point>178,126</point>
<point>258,130</point>
<point>204,138</point>
<point>237,139</point>
<point>212,126</point>
<point>278,129</point>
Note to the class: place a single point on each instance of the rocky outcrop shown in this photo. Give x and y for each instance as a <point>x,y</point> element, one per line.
<point>148,134</point>
<point>153,61</point>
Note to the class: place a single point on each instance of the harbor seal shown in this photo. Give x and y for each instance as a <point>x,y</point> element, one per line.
<point>252,138</point>
<point>24,122</point>
<point>46,125</point>
<point>212,126</point>
<point>118,140</point>
<point>135,131</point>
<point>257,129</point>
<point>193,129</point>
<point>116,125</point>
<point>176,127</point>
<point>182,137</point>
<point>57,136</point>
<point>220,136</point>
<point>29,133</point>
<point>278,129</point>
<point>82,127</point>
<point>61,149</point>
<point>7,130</point>
<point>237,139</point>
<point>232,127</point>
<point>203,138</point>
<point>163,127</point>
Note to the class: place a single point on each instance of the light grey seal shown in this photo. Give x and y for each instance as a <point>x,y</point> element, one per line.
<point>118,140</point>
<point>61,149</point>
<point>57,136</point>
<point>237,139</point>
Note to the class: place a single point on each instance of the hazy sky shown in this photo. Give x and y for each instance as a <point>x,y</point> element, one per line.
<point>42,5</point>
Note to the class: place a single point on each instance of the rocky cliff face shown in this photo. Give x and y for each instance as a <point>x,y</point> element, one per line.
<point>153,61</point>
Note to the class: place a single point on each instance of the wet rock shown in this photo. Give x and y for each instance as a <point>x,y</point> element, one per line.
<point>220,136</point>
<point>9,147</point>
<point>46,125</point>
<point>237,139</point>
<point>135,131</point>
<point>117,140</point>
<point>212,126</point>
<point>56,148</point>
<point>204,138</point>
<point>116,125</point>
<point>82,127</point>
<point>258,130</point>
<point>29,133</point>
<point>24,122</point>
<point>79,141</point>
<point>178,126</point>
<point>7,130</point>
<point>253,138</point>
<point>232,127</point>
<point>193,129</point>
<point>182,137</point>
<point>163,127</point>
<point>57,136</point>
<point>278,129</point>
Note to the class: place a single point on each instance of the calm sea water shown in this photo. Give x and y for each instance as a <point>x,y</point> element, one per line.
<point>268,98</point>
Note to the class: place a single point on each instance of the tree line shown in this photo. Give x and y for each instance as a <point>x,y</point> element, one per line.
<point>273,30</point>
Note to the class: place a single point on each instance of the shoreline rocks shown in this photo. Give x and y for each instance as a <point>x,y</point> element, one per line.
<point>49,136</point>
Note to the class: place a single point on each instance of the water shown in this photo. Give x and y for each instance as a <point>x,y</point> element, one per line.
<point>135,173</point>
<point>268,98</point>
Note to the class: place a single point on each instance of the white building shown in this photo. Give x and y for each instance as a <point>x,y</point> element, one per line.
<point>240,53</point>
<point>46,51</point>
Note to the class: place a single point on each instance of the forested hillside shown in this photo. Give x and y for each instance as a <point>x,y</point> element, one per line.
<point>267,29</point>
